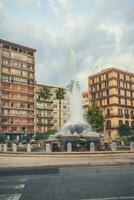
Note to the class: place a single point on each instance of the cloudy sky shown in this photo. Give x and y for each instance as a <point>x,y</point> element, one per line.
<point>101,32</point>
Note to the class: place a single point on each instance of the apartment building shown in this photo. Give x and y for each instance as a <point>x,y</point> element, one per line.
<point>85,100</point>
<point>113,91</point>
<point>17,79</point>
<point>47,109</point>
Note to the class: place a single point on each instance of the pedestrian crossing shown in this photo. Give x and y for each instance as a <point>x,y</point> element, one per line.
<point>11,188</point>
<point>10,196</point>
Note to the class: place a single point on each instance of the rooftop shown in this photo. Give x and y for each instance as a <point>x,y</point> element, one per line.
<point>111,69</point>
<point>16,45</point>
<point>50,85</point>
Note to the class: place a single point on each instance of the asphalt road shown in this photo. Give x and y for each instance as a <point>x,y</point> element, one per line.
<point>72,183</point>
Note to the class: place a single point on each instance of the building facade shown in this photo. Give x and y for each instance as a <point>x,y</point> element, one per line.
<point>85,100</point>
<point>47,109</point>
<point>113,91</point>
<point>17,80</point>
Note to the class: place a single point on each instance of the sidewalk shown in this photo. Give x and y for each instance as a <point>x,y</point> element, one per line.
<point>72,159</point>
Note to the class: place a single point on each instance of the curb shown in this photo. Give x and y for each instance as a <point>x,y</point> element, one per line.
<point>65,154</point>
<point>52,169</point>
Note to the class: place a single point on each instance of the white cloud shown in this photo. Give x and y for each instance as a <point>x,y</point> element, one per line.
<point>103,38</point>
<point>71,24</point>
<point>115,29</point>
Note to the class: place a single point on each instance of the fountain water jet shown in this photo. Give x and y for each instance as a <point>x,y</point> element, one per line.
<point>76,127</point>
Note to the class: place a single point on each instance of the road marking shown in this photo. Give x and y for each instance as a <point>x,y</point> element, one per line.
<point>16,180</point>
<point>10,196</point>
<point>19,187</point>
<point>109,198</point>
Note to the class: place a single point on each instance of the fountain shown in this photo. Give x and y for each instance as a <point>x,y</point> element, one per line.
<point>76,131</point>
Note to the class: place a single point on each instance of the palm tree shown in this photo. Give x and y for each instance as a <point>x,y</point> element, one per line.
<point>45,92</point>
<point>71,85</point>
<point>60,93</point>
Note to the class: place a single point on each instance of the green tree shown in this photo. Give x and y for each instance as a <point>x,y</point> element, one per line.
<point>2,138</point>
<point>124,130</point>
<point>26,137</point>
<point>45,92</point>
<point>60,94</point>
<point>95,117</point>
<point>39,136</point>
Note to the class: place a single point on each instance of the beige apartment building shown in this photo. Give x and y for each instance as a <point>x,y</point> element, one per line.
<point>17,79</point>
<point>85,100</point>
<point>113,91</point>
<point>47,109</point>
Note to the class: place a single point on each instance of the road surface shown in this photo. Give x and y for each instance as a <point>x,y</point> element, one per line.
<point>68,183</point>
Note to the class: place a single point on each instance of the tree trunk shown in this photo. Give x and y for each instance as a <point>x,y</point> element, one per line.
<point>59,113</point>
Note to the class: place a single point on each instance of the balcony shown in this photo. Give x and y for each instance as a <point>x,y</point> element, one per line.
<point>16,107</point>
<point>16,115</point>
<point>113,115</point>
<point>44,124</point>
<point>132,116</point>
<point>49,109</point>
<point>4,123</point>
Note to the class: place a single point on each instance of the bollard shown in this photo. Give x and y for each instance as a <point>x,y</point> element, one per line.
<point>5,147</point>
<point>28,148</point>
<point>14,147</point>
<point>69,147</point>
<point>0,147</point>
<point>114,146</point>
<point>48,148</point>
<point>18,138</point>
<point>122,143</point>
<point>132,146</point>
<point>92,147</point>
<point>20,144</point>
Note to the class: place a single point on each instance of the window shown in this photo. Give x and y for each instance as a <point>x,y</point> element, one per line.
<point>12,79</point>
<point>5,54</point>
<point>132,124</point>
<point>127,122</point>
<point>107,101</point>
<point>126,111</point>
<point>5,62</point>
<point>108,112</point>
<point>93,96</point>
<point>125,101</point>
<point>107,92</point>
<point>124,84</point>
<point>120,122</point>
<point>120,112</point>
<point>118,91</point>
<point>119,100</point>
<point>108,124</point>
<point>118,84</point>
<point>23,128</point>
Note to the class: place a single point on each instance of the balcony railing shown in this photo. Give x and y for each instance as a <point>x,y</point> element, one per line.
<point>17,115</point>
<point>44,124</point>
<point>44,116</point>
<point>17,91</point>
